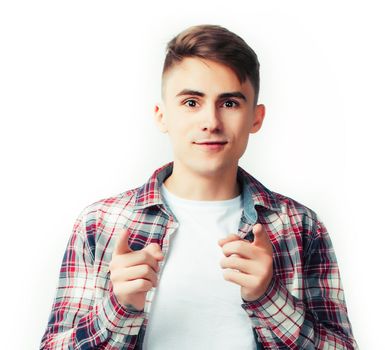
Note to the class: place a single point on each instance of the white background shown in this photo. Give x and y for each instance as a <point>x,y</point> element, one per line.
<point>78,84</point>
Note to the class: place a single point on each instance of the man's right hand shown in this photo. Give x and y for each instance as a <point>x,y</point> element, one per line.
<point>134,273</point>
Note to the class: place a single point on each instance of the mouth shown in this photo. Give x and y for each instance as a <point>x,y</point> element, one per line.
<point>211,145</point>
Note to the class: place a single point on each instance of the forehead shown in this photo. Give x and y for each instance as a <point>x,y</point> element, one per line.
<point>204,75</point>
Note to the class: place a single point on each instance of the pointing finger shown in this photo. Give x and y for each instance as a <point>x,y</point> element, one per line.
<point>121,246</point>
<point>261,238</point>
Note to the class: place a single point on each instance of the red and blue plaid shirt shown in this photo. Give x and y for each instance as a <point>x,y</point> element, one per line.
<point>303,308</point>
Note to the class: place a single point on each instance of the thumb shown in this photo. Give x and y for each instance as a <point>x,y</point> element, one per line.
<point>121,246</point>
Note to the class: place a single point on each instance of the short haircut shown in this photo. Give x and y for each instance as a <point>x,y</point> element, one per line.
<point>216,43</point>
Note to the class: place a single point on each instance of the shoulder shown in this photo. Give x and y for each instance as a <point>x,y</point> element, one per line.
<point>302,221</point>
<point>296,211</point>
<point>277,205</point>
<point>98,223</point>
<point>115,204</point>
<point>298,221</point>
<point>115,208</point>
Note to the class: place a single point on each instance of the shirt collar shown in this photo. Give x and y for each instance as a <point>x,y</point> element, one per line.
<point>253,193</point>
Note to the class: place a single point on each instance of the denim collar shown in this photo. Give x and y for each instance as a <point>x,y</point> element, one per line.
<point>253,193</point>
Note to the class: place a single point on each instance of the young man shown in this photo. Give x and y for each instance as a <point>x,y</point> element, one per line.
<point>202,256</point>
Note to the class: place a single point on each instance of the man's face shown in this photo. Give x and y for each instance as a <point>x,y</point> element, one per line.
<point>204,102</point>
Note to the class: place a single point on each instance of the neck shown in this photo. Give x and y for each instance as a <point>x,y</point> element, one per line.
<point>220,185</point>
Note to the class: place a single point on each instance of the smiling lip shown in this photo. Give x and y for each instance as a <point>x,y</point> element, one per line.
<point>212,145</point>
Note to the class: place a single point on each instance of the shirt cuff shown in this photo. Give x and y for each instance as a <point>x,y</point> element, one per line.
<point>119,318</point>
<point>276,308</point>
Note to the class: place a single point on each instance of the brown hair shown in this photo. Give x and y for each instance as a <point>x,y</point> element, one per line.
<point>218,44</point>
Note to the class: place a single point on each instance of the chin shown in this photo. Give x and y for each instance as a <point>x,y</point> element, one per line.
<point>208,168</point>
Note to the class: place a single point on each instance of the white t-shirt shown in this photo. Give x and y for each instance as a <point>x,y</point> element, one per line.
<point>194,307</point>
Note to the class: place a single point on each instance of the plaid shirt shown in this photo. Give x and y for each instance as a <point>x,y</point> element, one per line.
<point>303,308</point>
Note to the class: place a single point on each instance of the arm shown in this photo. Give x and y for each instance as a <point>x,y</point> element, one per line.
<point>320,321</point>
<point>77,320</point>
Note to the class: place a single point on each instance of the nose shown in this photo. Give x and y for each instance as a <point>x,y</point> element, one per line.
<point>211,119</point>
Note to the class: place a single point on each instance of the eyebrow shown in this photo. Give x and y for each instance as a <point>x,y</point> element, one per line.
<point>201,94</point>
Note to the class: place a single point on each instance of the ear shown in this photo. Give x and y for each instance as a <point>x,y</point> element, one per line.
<point>160,119</point>
<point>258,117</point>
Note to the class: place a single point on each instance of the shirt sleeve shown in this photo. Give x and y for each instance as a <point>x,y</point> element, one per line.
<point>320,320</point>
<point>78,320</point>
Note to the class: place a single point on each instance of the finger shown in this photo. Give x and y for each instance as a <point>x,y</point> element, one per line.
<point>135,286</point>
<point>239,278</point>
<point>247,266</point>
<point>261,238</point>
<point>242,248</point>
<point>121,245</point>
<point>234,263</point>
<point>134,258</point>
<point>133,273</point>
<point>229,238</point>
<point>154,250</point>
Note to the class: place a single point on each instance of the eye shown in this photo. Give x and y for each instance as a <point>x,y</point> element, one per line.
<point>231,103</point>
<point>190,103</point>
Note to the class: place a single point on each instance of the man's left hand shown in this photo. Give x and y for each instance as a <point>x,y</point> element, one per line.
<point>254,262</point>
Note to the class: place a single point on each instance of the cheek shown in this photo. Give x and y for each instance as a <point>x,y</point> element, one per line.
<point>241,141</point>
<point>180,134</point>
<point>241,134</point>
<point>183,128</point>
